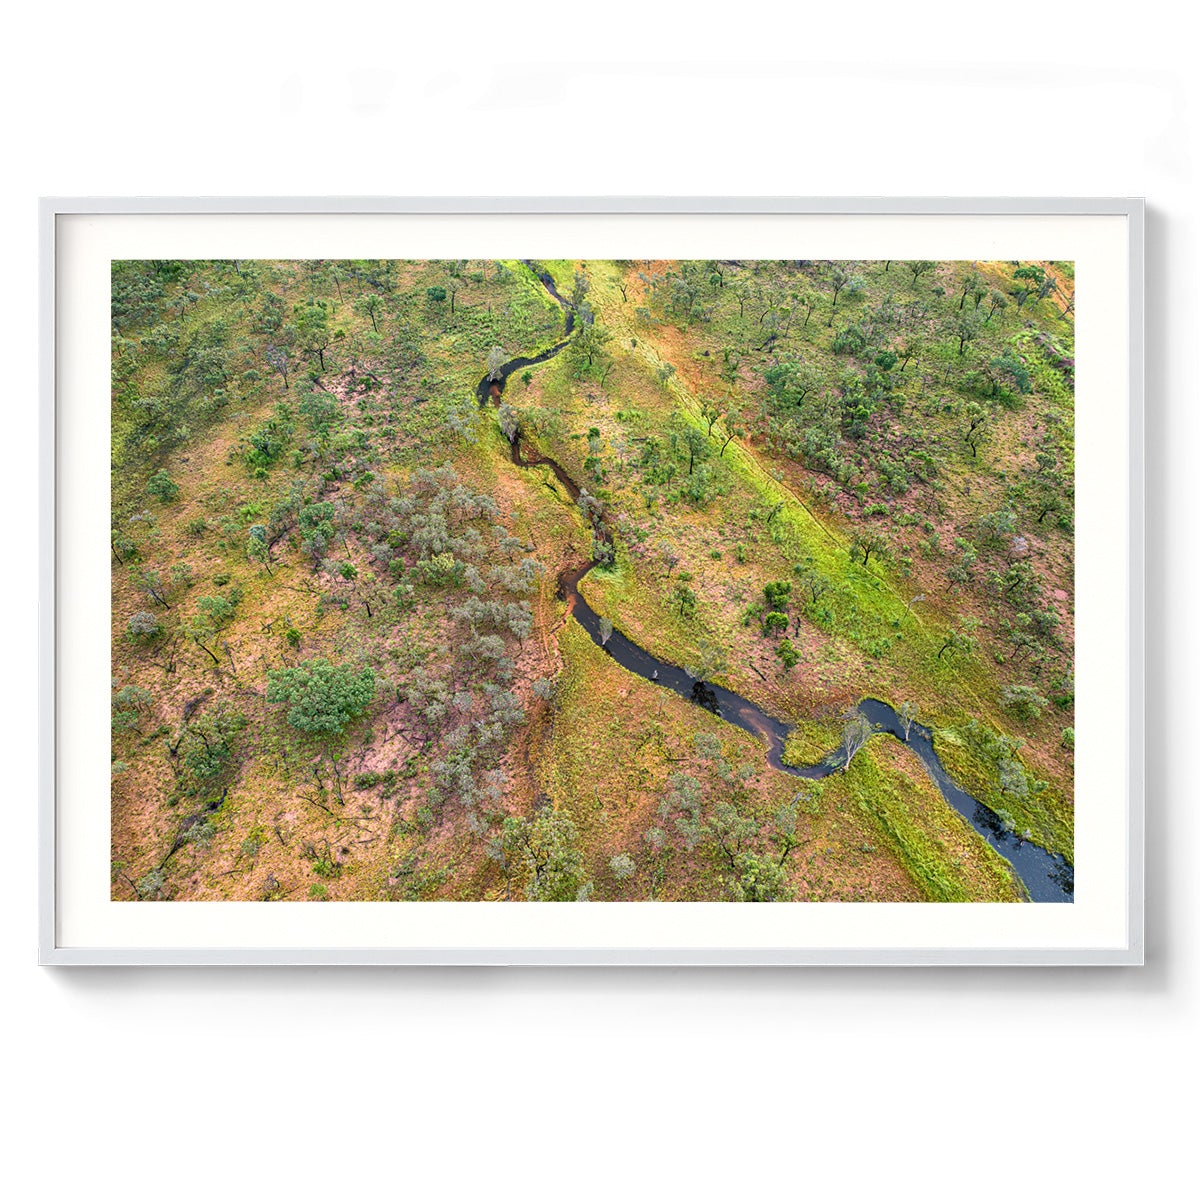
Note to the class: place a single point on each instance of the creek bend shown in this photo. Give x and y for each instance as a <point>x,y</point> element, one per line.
<point>1046,877</point>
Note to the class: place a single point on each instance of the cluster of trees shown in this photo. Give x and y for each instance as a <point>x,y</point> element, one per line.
<point>706,817</point>
<point>911,373</point>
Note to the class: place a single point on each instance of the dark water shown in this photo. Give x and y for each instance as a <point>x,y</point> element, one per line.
<point>488,387</point>
<point>1047,877</point>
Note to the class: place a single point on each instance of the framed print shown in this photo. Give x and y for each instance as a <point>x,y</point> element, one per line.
<point>591,581</point>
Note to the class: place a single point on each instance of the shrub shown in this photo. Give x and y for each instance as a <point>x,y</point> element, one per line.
<point>775,622</point>
<point>162,486</point>
<point>143,625</point>
<point>850,340</point>
<point>778,594</point>
<point>1024,702</point>
<point>789,656</point>
<point>127,706</point>
<point>441,570</point>
<point>622,866</point>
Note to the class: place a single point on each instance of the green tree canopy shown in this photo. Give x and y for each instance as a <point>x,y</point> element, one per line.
<point>322,698</point>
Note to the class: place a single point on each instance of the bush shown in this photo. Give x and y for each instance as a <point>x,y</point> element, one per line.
<point>622,866</point>
<point>143,625</point>
<point>789,656</point>
<point>441,570</point>
<point>778,595</point>
<point>162,486</point>
<point>1024,702</point>
<point>775,622</point>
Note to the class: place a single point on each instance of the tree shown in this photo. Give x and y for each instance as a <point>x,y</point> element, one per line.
<point>510,421</point>
<point>321,698</point>
<point>683,596</point>
<point>547,848</point>
<point>258,546</point>
<point>791,381</point>
<point>711,411</point>
<point>967,327</point>
<point>212,612</point>
<point>277,359</point>
<point>580,286</point>
<point>867,542</point>
<point>312,329</point>
<point>906,714</point>
<point>1008,369</point>
<point>128,705</point>
<point>976,422</point>
<point>1047,494</point>
<point>1019,584</point>
<point>970,284</point>
<point>733,428</point>
<point>370,304</point>
<point>812,581</point>
<point>590,342</point>
<point>709,662</point>
<point>960,640</point>
<point>149,583</point>
<point>1024,702</point>
<point>758,878</point>
<point>838,278</point>
<point>732,833</point>
<point>997,302</point>
<point>778,595</point>
<point>786,822</point>
<point>855,734</point>
<point>162,486</point>
<point>206,746</point>
<point>909,349</point>
<point>696,445</point>
<point>495,360</point>
<point>919,268</point>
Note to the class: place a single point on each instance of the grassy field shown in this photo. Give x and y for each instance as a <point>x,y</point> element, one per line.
<point>342,664</point>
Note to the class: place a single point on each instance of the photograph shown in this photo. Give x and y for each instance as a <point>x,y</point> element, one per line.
<point>655,580</point>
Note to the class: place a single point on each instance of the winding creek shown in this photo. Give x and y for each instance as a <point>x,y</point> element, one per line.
<point>1047,877</point>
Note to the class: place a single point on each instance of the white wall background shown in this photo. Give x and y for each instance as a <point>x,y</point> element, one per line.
<point>582,1083</point>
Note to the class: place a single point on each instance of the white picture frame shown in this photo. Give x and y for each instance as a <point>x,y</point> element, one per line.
<point>1103,927</point>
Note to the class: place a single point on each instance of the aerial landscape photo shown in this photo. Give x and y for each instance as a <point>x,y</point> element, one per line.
<point>580,580</point>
